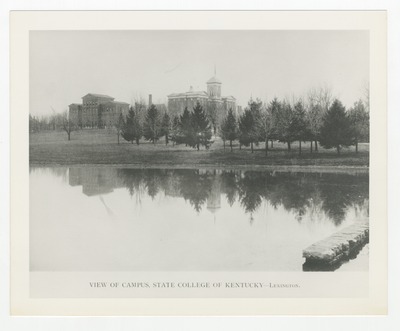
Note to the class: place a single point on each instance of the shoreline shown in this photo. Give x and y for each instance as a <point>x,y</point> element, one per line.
<point>279,168</point>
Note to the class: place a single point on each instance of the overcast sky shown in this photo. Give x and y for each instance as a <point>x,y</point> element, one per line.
<point>66,65</point>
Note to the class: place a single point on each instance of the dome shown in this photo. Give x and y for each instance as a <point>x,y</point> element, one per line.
<point>214,80</point>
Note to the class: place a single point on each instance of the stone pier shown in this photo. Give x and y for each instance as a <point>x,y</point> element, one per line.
<point>328,254</point>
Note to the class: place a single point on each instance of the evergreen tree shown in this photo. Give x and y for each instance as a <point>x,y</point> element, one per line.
<point>359,119</point>
<point>152,124</point>
<point>248,133</point>
<point>132,129</point>
<point>336,128</point>
<point>127,130</point>
<point>166,127</point>
<point>229,129</point>
<point>185,131</point>
<point>256,110</point>
<point>201,128</point>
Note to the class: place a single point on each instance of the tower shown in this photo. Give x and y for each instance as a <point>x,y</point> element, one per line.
<point>214,86</point>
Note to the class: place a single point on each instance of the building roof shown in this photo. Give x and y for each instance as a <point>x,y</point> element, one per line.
<point>98,95</point>
<point>75,104</point>
<point>214,80</point>
<point>189,94</point>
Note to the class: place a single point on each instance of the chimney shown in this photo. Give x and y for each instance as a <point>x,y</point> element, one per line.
<point>150,100</point>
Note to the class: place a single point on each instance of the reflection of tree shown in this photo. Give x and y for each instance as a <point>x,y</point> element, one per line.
<point>132,179</point>
<point>153,179</point>
<point>340,192</point>
<point>298,193</point>
<point>195,187</point>
<point>229,185</point>
<point>292,191</point>
<point>251,188</point>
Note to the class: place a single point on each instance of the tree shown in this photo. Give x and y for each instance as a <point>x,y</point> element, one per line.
<point>274,109</point>
<point>33,124</point>
<point>298,127</point>
<point>166,127</point>
<point>68,125</point>
<point>132,129</point>
<point>283,122</point>
<point>247,129</point>
<point>266,124</point>
<point>185,131</point>
<point>314,117</point>
<point>319,101</point>
<point>359,119</point>
<point>336,128</point>
<point>119,125</point>
<point>201,128</point>
<point>127,131</point>
<point>229,130</point>
<point>256,110</point>
<point>175,130</point>
<point>152,124</point>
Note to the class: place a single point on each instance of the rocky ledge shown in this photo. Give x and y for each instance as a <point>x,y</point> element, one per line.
<point>328,254</point>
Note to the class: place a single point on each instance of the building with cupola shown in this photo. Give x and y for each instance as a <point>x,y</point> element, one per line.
<point>211,100</point>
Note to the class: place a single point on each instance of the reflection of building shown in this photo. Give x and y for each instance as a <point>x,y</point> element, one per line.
<point>95,181</point>
<point>97,110</point>
<point>214,197</point>
<point>211,100</point>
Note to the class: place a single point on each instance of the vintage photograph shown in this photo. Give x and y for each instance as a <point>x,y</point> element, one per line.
<point>202,151</point>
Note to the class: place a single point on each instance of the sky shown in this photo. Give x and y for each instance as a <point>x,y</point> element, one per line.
<point>66,65</point>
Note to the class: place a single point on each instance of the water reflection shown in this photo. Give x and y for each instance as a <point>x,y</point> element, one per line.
<point>329,193</point>
<point>107,218</point>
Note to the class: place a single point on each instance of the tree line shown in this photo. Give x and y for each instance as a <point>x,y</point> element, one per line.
<point>332,126</point>
<point>295,192</point>
<point>191,128</point>
<point>321,119</point>
<point>318,118</point>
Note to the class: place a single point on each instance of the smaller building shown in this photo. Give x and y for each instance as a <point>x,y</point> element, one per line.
<point>97,110</point>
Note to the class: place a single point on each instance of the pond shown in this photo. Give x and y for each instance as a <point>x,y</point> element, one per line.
<point>111,219</point>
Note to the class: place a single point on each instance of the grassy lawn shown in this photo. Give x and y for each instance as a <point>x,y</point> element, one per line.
<point>100,147</point>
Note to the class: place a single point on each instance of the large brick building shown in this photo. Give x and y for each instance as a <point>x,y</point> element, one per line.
<point>212,101</point>
<point>97,110</point>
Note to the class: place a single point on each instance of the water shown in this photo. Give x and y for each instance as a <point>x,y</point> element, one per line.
<point>110,219</point>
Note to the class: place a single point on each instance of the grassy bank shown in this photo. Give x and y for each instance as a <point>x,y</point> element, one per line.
<point>100,147</point>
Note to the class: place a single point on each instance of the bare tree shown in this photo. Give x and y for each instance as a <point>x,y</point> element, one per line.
<point>68,125</point>
<point>318,102</point>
